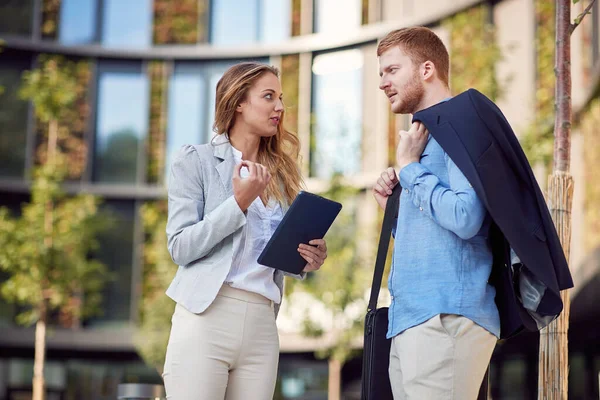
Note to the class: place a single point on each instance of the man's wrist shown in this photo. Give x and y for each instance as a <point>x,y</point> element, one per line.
<point>404,163</point>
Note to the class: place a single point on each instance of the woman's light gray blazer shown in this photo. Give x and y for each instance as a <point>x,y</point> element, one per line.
<point>205,224</point>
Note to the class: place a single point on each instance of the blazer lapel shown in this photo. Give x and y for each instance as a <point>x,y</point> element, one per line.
<point>450,141</point>
<point>222,151</point>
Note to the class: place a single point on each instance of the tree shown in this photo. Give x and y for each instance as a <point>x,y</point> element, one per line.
<point>156,308</point>
<point>340,287</point>
<point>554,353</point>
<point>46,250</point>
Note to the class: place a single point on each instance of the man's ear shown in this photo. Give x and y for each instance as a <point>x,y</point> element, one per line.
<point>427,70</point>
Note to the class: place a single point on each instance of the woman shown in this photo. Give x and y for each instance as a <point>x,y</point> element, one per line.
<point>225,200</point>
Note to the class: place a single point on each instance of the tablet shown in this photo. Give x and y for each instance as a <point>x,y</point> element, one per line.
<point>309,217</point>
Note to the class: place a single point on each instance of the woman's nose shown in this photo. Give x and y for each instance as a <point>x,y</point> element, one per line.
<point>279,105</point>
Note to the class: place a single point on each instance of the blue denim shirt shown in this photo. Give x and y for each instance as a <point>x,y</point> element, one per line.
<point>442,256</point>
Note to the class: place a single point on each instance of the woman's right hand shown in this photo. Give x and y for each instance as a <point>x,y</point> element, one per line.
<point>246,190</point>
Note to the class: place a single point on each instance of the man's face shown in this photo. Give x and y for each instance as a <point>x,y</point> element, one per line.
<point>400,81</point>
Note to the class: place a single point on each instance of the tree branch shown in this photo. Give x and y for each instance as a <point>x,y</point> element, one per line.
<point>581,16</point>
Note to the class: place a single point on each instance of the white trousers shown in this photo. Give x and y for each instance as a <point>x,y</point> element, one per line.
<point>230,351</point>
<point>444,358</point>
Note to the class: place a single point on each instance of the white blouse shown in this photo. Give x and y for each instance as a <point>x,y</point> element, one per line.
<point>246,273</point>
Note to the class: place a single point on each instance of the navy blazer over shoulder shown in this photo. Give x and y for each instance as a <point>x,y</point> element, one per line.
<point>477,137</point>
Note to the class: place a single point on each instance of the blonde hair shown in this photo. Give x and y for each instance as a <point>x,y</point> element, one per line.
<point>420,44</point>
<point>279,153</point>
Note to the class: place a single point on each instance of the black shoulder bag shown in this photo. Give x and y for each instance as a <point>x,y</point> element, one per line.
<point>376,350</point>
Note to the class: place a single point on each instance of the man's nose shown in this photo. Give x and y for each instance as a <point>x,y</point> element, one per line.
<point>384,84</point>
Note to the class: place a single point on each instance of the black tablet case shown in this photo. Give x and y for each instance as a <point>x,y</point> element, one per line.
<point>309,217</point>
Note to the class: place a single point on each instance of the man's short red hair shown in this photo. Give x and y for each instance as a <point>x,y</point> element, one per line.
<point>420,44</point>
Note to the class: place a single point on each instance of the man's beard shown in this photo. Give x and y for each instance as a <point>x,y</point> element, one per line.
<point>412,96</point>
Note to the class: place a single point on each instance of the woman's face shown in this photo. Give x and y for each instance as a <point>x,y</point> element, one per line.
<point>260,113</point>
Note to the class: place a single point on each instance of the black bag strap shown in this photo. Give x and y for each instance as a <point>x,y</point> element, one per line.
<point>390,215</point>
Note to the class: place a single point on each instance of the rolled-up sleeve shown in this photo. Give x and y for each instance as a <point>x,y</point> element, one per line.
<point>192,234</point>
<point>455,208</point>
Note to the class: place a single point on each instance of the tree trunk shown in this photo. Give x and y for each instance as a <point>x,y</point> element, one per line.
<point>553,379</point>
<point>335,380</point>
<point>40,326</point>
<point>554,352</point>
<point>51,158</point>
<point>40,355</point>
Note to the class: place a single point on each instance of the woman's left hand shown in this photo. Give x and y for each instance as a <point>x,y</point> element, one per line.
<point>315,255</point>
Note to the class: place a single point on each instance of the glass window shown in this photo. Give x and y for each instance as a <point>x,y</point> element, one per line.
<point>187,102</point>
<point>98,379</point>
<point>212,99</point>
<point>116,252</point>
<point>122,121</point>
<point>237,22</point>
<point>337,16</point>
<point>234,22</point>
<point>513,379</point>
<point>127,23</point>
<point>276,22</point>
<point>192,104</point>
<point>337,113</point>
<point>77,21</point>
<point>301,379</point>
<point>16,17</point>
<point>13,116</point>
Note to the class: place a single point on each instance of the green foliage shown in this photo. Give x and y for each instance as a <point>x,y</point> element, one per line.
<point>180,21</point>
<point>50,18</point>
<point>158,121</point>
<point>46,250</point>
<point>340,285</point>
<point>474,52</point>
<point>290,75</point>
<point>296,17</point>
<point>50,87</point>
<point>52,268</point>
<point>591,154</point>
<point>538,140</point>
<point>68,79</point>
<point>156,308</point>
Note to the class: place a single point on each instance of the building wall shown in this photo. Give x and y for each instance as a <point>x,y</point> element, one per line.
<point>335,72</point>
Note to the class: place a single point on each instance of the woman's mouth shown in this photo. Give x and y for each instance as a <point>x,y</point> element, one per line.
<point>275,120</point>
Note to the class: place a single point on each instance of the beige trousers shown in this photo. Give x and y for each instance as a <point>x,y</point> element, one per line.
<point>230,351</point>
<point>443,358</point>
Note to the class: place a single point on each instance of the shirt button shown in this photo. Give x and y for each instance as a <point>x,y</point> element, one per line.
<point>421,208</point>
<point>407,191</point>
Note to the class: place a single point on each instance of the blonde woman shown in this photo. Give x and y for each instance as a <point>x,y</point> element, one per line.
<point>225,200</point>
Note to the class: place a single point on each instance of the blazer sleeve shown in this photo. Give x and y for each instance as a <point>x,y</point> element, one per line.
<point>192,233</point>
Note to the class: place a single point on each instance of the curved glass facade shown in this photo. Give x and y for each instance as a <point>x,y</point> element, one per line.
<point>148,87</point>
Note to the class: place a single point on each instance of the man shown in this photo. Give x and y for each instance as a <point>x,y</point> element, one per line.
<point>443,320</point>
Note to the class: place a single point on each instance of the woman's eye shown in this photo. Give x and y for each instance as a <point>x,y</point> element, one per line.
<point>269,96</point>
